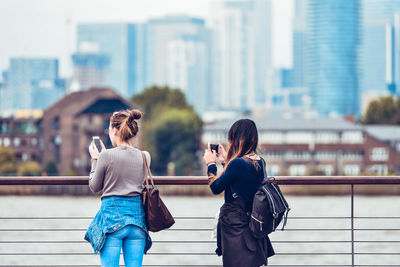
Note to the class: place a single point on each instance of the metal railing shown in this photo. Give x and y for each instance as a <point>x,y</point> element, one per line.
<point>180,235</point>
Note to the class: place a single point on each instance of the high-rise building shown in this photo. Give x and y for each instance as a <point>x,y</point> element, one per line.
<point>90,70</point>
<point>378,46</point>
<point>176,54</point>
<point>187,69</point>
<point>122,44</point>
<point>299,41</point>
<point>332,59</point>
<point>32,83</point>
<point>241,52</point>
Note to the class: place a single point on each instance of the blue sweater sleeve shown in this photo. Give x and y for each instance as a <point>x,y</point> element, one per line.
<point>227,178</point>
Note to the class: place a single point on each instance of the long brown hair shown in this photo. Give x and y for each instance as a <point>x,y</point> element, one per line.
<point>243,140</point>
<point>126,122</point>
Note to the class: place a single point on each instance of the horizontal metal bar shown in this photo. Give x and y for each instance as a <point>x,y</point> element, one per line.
<point>200,242</point>
<point>89,218</point>
<point>193,254</point>
<point>199,229</point>
<point>204,218</point>
<point>203,180</point>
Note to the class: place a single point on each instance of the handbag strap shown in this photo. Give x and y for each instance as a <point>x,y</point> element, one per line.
<point>147,172</point>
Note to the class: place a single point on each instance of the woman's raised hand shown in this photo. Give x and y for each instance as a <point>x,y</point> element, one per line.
<point>210,157</point>
<point>222,153</point>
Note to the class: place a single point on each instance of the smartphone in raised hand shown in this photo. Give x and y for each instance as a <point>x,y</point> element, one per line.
<point>97,143</point>
<point>214,147</point>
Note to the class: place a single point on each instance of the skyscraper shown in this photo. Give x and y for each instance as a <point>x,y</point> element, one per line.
<point>121,43</point>
<point>188,70</point>
<point>32,83</point>
<point>176,54</point>
<point>241,52</point>
<point>333,39</point>
<point>90,70</point>
<point>378,46</point>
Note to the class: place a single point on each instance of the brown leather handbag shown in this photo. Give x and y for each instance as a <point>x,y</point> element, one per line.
<point>158,216</point>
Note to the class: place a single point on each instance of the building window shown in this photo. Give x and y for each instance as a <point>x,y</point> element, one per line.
<point>379,154</point>
<point>55,124</point>
<point>25,157</point>
<point>296,170</point>
<point>352,155</point>
<point>327,137</point>
<point>326,169</point>
<point>273,155</point>
<point>273,169</point>
<point>298,155</point>
<point>325,155</point>
<point>299,137</point>
<point>34,141</point>
<point>23,142</point>
<point>271,137</point>
<point>352,137</point>
<point>379,169</point>
<point>7,141</point>
<point>17,141</point>
<point>351,169</point>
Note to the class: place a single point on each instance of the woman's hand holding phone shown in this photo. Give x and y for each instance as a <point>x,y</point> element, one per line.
<point>210,156</point>
<point>93,151</point>
<point>222,154</point>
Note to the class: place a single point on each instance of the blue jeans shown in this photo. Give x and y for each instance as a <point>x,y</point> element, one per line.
<point>131,239</point>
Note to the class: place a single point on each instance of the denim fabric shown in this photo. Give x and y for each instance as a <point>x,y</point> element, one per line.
<point>115,213</point>
<point>131,239</point>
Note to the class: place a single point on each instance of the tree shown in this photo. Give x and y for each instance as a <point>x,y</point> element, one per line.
<point>29,168</point>
<point>154,99</point>
<point>171,129</point>
<point>385,110</point>
<point>7,161</point>
<point>175,137</point>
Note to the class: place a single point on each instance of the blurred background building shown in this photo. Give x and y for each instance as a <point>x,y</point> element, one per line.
<point>31,83</point>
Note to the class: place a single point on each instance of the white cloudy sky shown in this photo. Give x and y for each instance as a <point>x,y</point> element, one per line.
<point>46,28</point>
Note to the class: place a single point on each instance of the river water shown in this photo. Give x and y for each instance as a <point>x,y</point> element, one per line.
<point>41,206</point>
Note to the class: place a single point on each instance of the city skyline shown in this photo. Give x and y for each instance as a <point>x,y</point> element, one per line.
<point>48,29</point>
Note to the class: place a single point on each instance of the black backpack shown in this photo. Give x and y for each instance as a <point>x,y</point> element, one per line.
<point>269,206</point>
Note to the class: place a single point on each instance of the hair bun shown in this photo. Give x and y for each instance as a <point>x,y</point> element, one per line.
<point>135,114</point>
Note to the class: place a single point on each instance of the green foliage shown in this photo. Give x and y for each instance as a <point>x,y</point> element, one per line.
<point>385,110</point>
<point>29,168</point>
<point>51,168</point>
<point>154,100</point>
<point>7,161</point>
<point>171,129</point>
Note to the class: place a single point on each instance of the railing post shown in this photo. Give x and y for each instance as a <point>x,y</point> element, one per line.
<point>352,225</point>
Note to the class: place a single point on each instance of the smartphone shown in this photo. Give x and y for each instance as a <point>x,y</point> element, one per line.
<point>214,147</point>
<point>97,143</point>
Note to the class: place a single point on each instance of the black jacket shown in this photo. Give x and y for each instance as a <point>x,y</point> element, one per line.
<point>234,240</point>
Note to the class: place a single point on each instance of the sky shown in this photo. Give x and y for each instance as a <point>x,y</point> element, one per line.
<point>46,28</point>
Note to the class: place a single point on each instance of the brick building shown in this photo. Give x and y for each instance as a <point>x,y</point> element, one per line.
<point>68,125</point>
<point>21,133</point>
<point>329,146</point>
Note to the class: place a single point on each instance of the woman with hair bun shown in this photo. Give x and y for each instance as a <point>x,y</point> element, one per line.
<point>118,173</point>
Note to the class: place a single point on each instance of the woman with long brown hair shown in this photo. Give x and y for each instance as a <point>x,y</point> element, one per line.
<point>240,178</point>
<point>118,174</point>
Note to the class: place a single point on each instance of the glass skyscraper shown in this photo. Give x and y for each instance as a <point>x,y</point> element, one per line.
<point>241,53</point>
<point>332,59</point>
<point>176,54</point>
<point>378,45</point>
<point>121,43</point>
<point>32,83</point>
